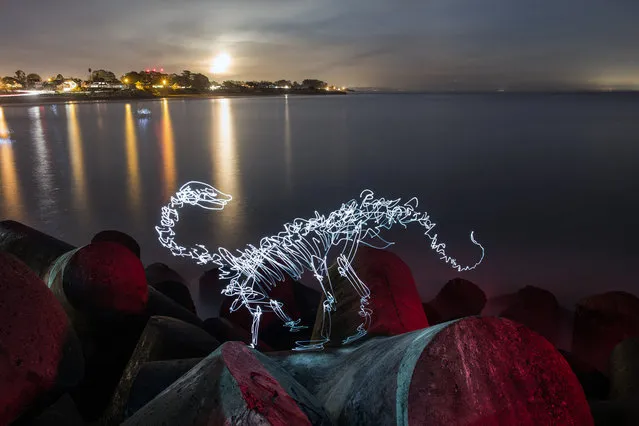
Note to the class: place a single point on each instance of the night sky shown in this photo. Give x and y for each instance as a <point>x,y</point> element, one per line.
<point>425,44</point>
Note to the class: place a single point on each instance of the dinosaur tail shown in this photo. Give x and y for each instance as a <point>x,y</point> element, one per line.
<point>381,209</point>
<point>440,248</point>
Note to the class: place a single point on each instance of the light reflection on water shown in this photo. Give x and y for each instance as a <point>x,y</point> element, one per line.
<point>76,158</point>
<point>224,164</point>
<point>44,174</point>
<point>12,198</point>
<point>549,184</point>
<point>288,148</point>
<point>168,151</point>
<point>133,164</point>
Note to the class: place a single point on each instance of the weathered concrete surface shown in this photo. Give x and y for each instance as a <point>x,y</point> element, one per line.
<point>62,412</point>
<point>496,304</point>
<point>620,412</point>
<point>210,298</point>
<point>36,249</point>
<point>119,237</point>
<point>458,298</point>
<point>177,292</point>
<point>556,326</point>
<point>394,300</point>
<point>601,322</point>
<point>537,309</point>
<point>108,347</point>
<point>505,374</point>
<point>159,304</point>
<point>233,385</point>
<point>474,371</point>
<point>102,279</point>
<point>163,338</point>
<point>153,378</point>
<point>595,384</point>
<point>103,289</point>
<point>158,272</point>
<point>624,370</point>
<point>40,354</point>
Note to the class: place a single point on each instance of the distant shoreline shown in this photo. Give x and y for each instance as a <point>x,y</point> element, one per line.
<point>83,98</point>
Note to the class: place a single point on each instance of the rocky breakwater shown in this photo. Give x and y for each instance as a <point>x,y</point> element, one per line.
<point>109,342</point>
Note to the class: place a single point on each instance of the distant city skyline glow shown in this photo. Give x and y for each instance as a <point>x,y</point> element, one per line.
<point>454,44</point>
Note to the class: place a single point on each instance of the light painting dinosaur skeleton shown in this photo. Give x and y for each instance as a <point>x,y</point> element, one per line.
<point>303,245</point>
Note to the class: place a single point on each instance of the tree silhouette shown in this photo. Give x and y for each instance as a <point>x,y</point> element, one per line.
<point>314,84</point>
<point>21,77</point>
<point>32,79</point>
<point>200,82</point>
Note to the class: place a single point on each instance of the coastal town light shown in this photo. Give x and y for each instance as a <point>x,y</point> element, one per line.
<point>69,85</point>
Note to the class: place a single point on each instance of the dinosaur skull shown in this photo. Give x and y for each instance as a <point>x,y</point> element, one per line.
<point>203,195</point>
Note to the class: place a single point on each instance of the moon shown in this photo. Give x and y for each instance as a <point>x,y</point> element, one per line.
<point>220,63</point>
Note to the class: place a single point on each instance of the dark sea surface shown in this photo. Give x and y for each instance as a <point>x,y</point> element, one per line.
<point>549,183</point>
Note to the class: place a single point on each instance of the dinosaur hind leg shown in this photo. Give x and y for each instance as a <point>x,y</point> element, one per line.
<point>255,328</point>
<point>346,270</point>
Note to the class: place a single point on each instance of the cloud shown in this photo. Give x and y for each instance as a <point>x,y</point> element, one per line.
<point>374,42</point>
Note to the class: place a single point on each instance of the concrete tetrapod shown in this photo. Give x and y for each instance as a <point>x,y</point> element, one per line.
<point>472,371</point>
<point>601,322</point>
<point>40,354</point>
<point>624,370</point>
<point>119,237</point>
<point>396,306</point>
<point>36,249</point>
<point>234,385</point>
<point>103,290</point>
<point>163,338</point>
<point>177,292</point>
<point>152,378</point>
<point>103,279</point>
<point>458,298</point>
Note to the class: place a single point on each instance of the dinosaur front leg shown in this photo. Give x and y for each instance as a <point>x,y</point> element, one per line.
<point>320,272</point>
<point>346,270</point>
<point>288,322</point>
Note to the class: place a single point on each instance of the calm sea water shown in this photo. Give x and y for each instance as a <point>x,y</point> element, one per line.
<point>549,184</point>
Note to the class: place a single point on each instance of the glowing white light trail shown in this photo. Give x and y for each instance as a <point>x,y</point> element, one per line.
<point>26,93</point>
<point>303,245</point>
